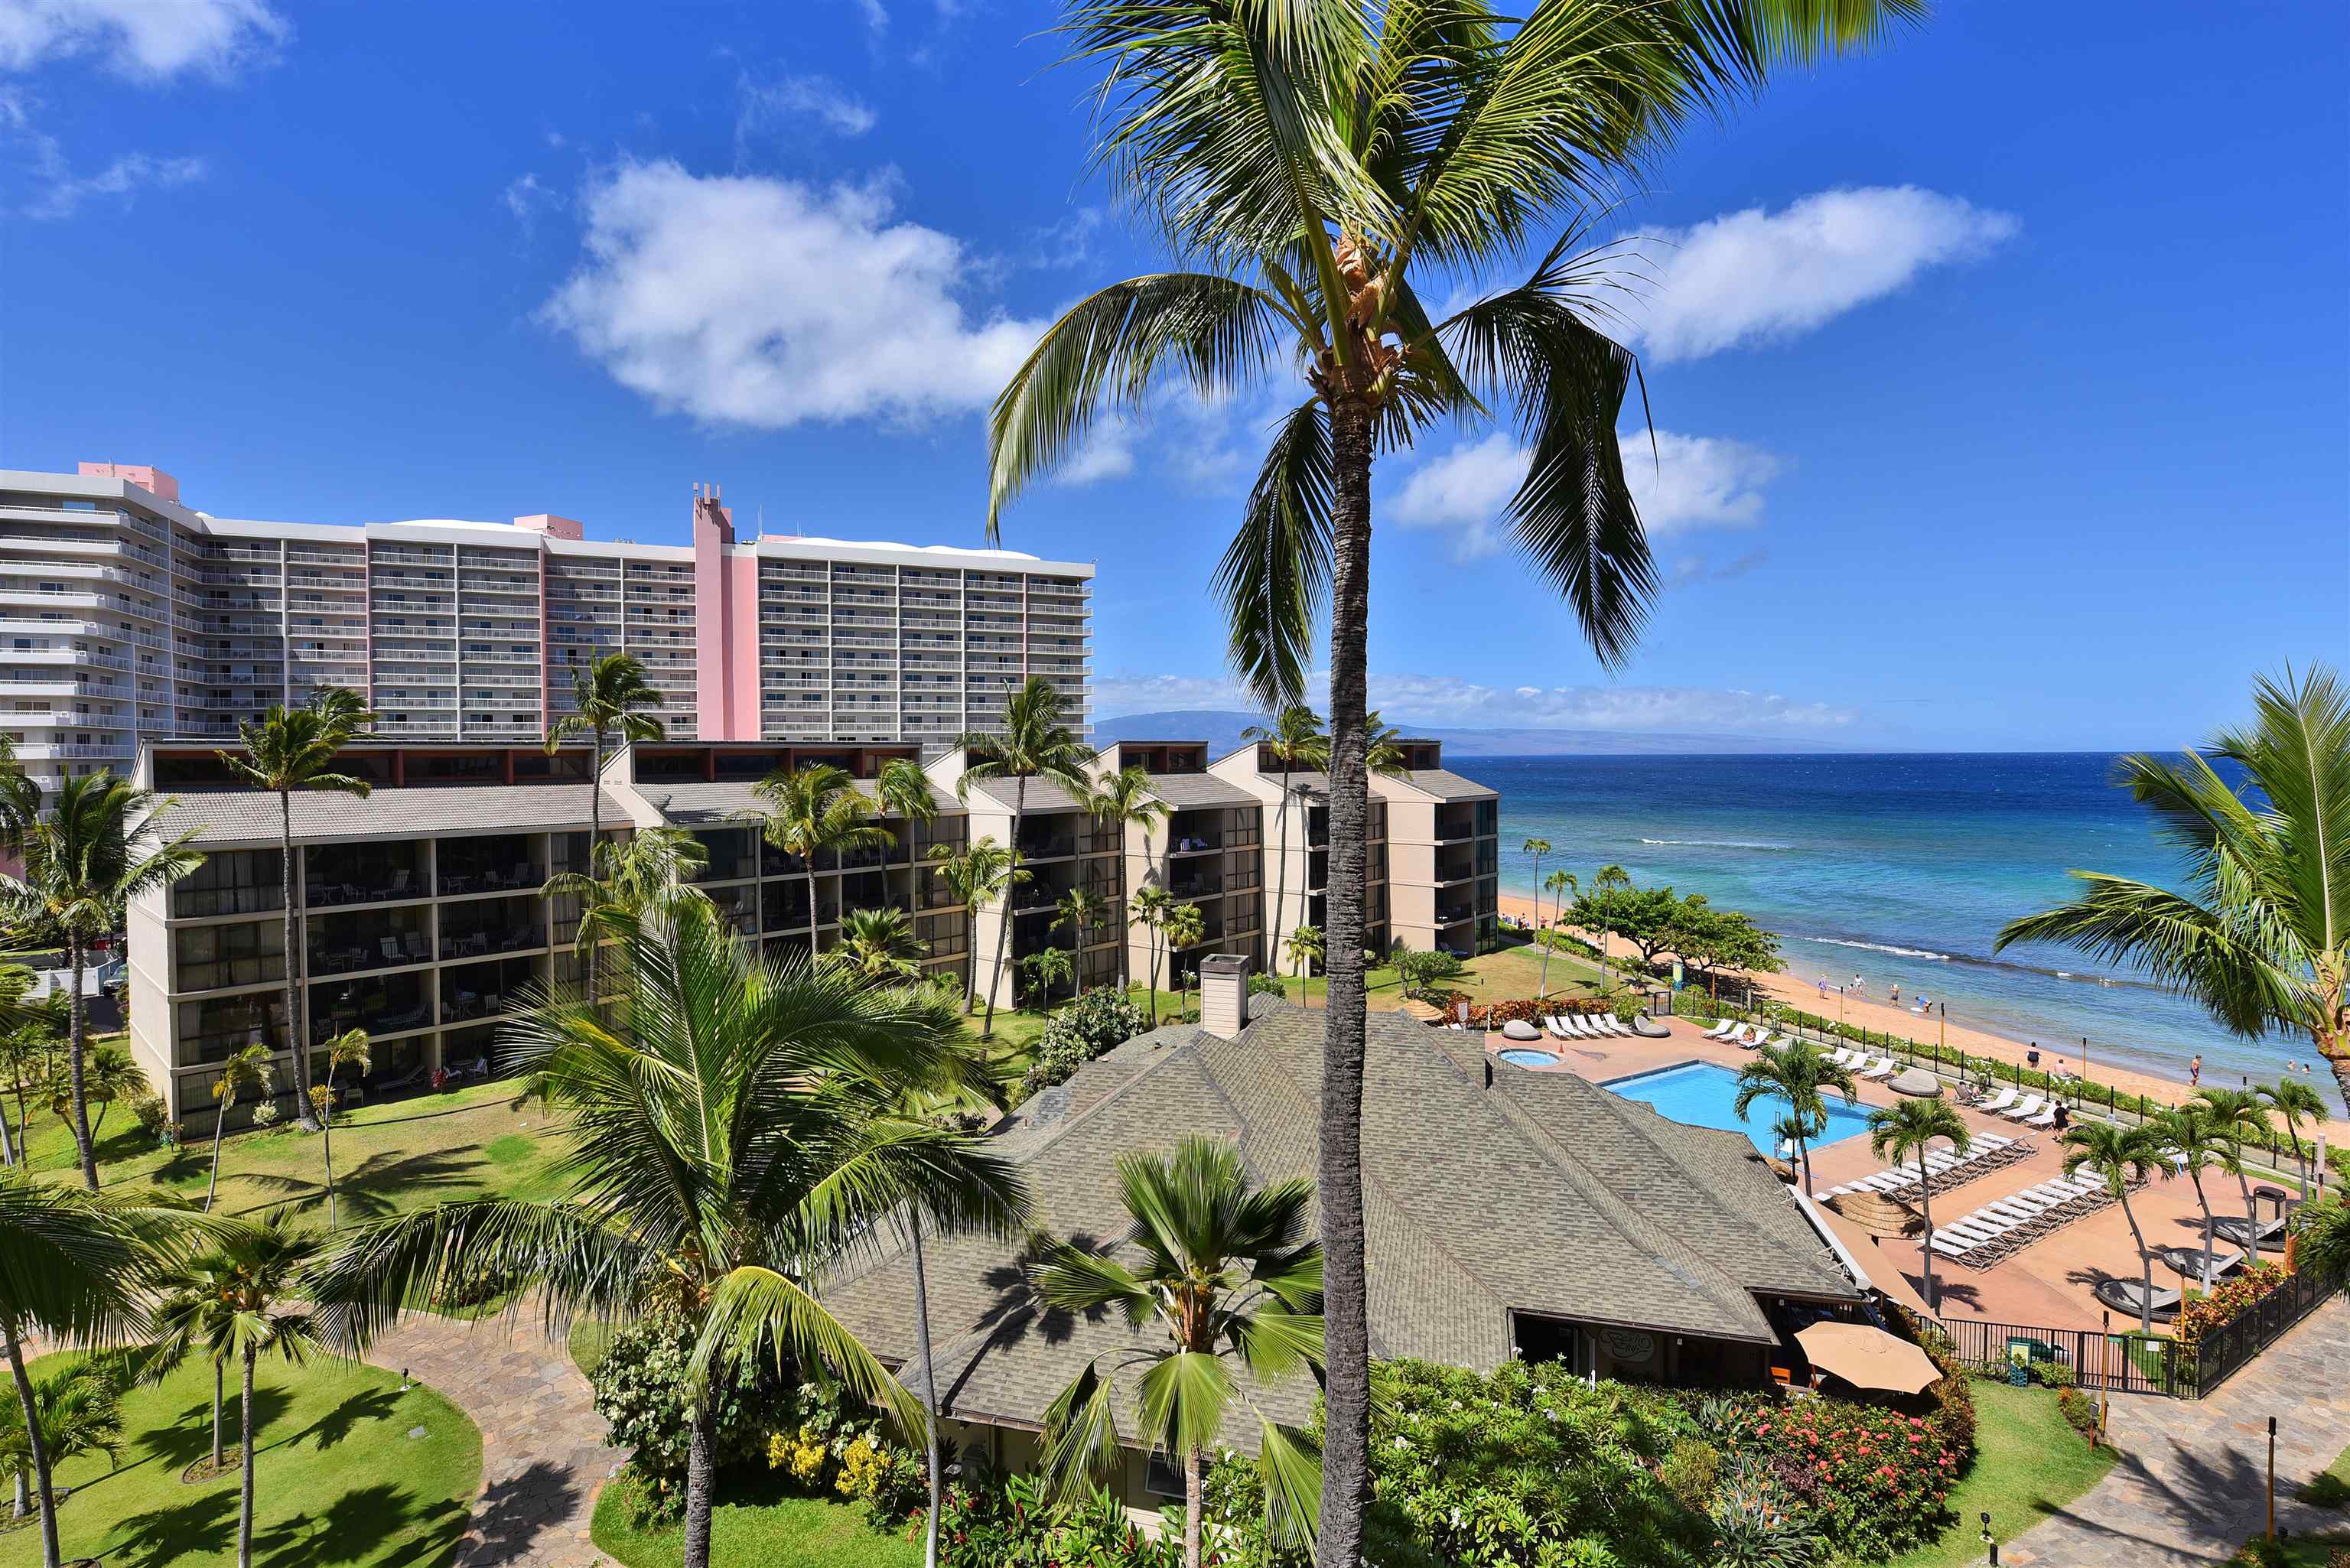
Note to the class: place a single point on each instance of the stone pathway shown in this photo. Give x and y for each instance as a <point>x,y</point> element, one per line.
<point>2192,1481</point>
<point>542,1453</point>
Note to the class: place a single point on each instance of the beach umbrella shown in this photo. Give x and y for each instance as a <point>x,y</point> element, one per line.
<point>1426,1012</point>
<point>1875,1214</point>
<point>1868,1357</point>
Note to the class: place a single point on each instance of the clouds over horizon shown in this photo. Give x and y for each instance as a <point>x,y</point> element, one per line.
<point>768,302</point>
<point>1449,701</point>
<point>1755,276</point>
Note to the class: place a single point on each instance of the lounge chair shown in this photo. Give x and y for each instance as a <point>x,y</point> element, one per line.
<point>1882,1067</point>
<point>2124,1295</point>
<point>408,1080</point>
<point>1585,1027</point>
<point>2046,1118</point>
<point>1722,1030</point>
<point>2000,1101</point>
<point>2025,1109</point>
<point>1558,1026</point>
<point>1614,1024</point>
<point>2269,1238</point>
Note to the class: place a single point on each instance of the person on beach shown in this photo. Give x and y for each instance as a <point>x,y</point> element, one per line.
<point>1896,993</point>
<point>1858,988</point>
<point>1823,991</point>
<point>2195,1071</point>
<point>2064,1119</point>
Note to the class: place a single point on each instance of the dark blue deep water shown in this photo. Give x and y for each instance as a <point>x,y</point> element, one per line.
<point>1900,868</point>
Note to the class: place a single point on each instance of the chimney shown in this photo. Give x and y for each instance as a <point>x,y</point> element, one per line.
<point>1223,994</point>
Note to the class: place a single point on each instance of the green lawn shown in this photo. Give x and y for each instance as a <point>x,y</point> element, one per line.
<point>758,1523</point>
<point>2027,1463</point>
<point>2331,1487</point>
<point>477,1141</point>
<point>348,1471</point>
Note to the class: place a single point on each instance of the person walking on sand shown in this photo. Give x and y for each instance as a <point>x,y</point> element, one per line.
<point>1896,993</point>
<point>1859,988</point>
<point>2195,1071</point>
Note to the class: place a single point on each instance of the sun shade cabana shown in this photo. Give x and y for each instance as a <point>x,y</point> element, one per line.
<point>1868,1357</point>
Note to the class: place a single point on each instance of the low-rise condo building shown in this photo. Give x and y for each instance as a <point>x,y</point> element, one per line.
<point>421,918</point>
<point>126,615</point>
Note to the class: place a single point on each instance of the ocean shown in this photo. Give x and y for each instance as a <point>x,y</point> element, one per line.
<point>1899,868</point>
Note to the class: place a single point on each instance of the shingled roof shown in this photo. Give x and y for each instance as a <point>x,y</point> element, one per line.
<point>1539,1193</point>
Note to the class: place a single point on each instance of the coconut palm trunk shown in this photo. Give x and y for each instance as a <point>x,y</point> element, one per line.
<point>2145,1263</point>
<point>1192,1489</point>
<point>244,1471</point>
<point>296,1037</point>
<point>700,1483</point>
<point>1926,1213</point>
<point>1346,1472</point>
<point>594,837</point>
<point>1281,865</point>
<point>929,1395</point>
<point>76,1033</point>
<point>220,1384</point>
<point>37,1449</point>
<point>2195,1177</point>
<point>1003,911</point>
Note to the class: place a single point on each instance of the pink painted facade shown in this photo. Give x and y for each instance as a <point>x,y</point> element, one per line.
<point>554,527</point>
<point>149,478</point>
<point>715,613</point>
<point>743,716</point>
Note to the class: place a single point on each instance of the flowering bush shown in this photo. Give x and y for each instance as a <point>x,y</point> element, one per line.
<point>2206,1314</point>
<point>2080,1412</point>
<point>1871,1483</point>
<point>1096,1021</point>
<point>1011,1524</point>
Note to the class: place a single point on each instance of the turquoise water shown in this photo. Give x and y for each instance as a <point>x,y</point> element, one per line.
<point>1699,1093</point>
<point>1529,1058</point>
<point>1900,869</point>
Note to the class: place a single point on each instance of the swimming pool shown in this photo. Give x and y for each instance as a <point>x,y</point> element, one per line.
<point>1530,1058</point>
<point>1701,1093</point>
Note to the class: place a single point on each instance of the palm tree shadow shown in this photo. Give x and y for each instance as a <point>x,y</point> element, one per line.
<point>190,1438</point>
<point>1018,1311</point>
<point>367,1405</point>
<point>509,1513</point>
<point>367,1191</point>
<point>203,1528</point>
<point>355,1526</point>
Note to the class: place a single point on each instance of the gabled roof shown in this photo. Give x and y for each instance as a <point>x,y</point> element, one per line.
<point>1446,784</point>
<point>1541,1193</point>
<point>1183,791</point>
<point>692,804</point>
<point>1042,795</point>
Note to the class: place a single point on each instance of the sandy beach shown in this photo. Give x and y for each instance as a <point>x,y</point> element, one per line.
<point>1877,1013</point>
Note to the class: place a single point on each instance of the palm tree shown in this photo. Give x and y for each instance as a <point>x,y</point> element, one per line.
<point>626,880</point>
<point>903,790</point>
<point>2193,1141</point>
<point>1150,907</point>
<point>808,811</point>
<point>1538,848</point>
<point>248,1067</point>
<point>2123,1156</point>
<point>109,1077</point>
<point>1125,799</point>
<point>1609,878</point>
<point>1185,927</point>
<point>1036,741</point>
<point>196,1304</point>
<point>1295,740</point>
<point>2261,936</point>
<point>72,1270</point>
<point>1909,1127</point>
<point>1233,1279</point>
<point>1080,912</point>
<point>86,854</point>
<point>610,700</point>
<point>729,1141</point>
<point>2293,1100</point>
<point>348,1049</point>
<point>290,749</point>
<point>1047,967</point>
<point>81,1413</point>
<point>262,1271</point>
<point>1304,950</point>
<point>975,875</point>
<point>1799,1074</point>
<point>2238,1112</point>
<point>1560,883</point>
<point>878,944</point>
<point>2324,1248</point>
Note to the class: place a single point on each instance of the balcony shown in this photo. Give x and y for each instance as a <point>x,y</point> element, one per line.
<point>491,927</point>
<point>499,864</point>
<point>352,943</point>
<point>386,1004</point>
<point>488,990</point>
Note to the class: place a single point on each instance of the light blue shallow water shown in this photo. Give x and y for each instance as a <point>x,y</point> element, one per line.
<point>1700,1093</point>
<point>1898,869</point>
<point>1530,1058</point>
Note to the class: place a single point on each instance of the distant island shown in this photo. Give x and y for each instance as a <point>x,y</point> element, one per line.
<point>1221,728</point>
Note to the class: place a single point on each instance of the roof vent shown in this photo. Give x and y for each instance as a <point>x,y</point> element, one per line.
<point>1223,994</point>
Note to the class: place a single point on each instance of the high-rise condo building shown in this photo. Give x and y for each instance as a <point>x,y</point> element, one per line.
<point>125,613</point>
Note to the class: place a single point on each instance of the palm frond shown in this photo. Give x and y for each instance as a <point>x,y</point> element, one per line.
<point>1274,578</point>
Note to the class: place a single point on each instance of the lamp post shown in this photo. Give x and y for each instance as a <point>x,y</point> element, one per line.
<point>2271,1477</point>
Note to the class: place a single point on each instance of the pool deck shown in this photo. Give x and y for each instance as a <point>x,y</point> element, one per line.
<point>2046,1284</point>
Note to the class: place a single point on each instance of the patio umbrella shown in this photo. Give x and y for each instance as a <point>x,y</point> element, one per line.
<point>1868,1357</point>
<point>1875,1214</point>
<point>1426,1012</point>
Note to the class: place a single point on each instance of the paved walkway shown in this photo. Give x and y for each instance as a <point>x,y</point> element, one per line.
<point>543,1452</point>
<point>2192,1481</point>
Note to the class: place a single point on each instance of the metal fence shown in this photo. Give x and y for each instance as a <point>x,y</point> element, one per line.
<point>2128,1362</point>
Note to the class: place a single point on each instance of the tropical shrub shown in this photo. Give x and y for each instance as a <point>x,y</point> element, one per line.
<point>2207,1314</point>
<point>641,1389</point>
<point>1423,972</point>
<point>1757,1525</point>
<point>1690,1471</point>
<point>2080,1411</point>
<point>987,1522</point>
<point>1871,1483</point>
<point>1096,1023</point>
<point>154,1115</point>
<point>1263,985</point>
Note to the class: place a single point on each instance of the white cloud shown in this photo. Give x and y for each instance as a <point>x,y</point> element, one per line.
<point>1757,276</point>
<point>148,39</point>
<point>525,197</point>
<point>796,101</point>
<point>123,177</point>
<point>769,302</point>
<point>877,17</point>
<point>1447,701</point>
<point>1684,482</point>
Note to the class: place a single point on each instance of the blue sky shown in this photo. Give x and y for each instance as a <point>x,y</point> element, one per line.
<point>1999,381</point>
